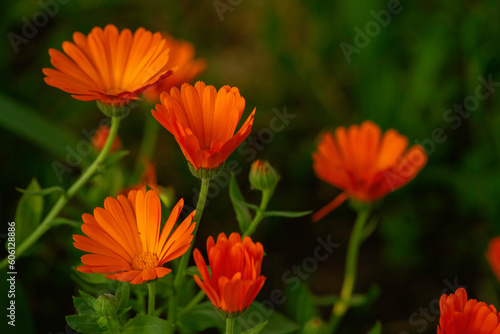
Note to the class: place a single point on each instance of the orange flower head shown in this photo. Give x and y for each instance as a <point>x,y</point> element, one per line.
<point>493,256</point>
<point>124,238</point>
<point>109,66</point>
<point>365,164</point>
<point>203,122</point>
<point>462,316</point>
<point>100,138</point>
<point>235,265</point>
<point>181,55</point>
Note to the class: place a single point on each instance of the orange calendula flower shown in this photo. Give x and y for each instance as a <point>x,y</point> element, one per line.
<point>203,122</point>
<point>181,56</point>
<point>462,316</point>
<point>100,138</point>
<point>365,163</point>
<point>235,266</point>
<point>124,238</point>
<point>493,256</point>
<point>109,66</point>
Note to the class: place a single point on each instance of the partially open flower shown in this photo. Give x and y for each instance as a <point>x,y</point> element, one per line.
<point>365,164</point>
<point>182,57</point>
<point>235,266</point>
<point>124,238</point>
<point>203,122</point>
<point>462,316</point>
<point>109,66</point>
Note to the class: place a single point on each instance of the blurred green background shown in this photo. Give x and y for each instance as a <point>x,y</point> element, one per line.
<point>406,75</point>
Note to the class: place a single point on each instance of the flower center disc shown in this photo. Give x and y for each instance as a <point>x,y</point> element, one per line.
<point>145,260</point>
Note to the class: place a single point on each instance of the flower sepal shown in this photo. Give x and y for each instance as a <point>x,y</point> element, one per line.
<point>111,110</point>
<point>263,176</point>
<point>206,173</point>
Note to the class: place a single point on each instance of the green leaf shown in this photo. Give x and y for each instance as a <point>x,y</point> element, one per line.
<point>288,214</point>
<point>326,300</point>
<point>256,329</point>
<point>377,329</point>
<point>91,278</point>
<point>242,213</point>
<point>123,293</point>
<point>34,127</point>
<point>82,306</point>
<point>371,295</point>
<point>85,323</point>
<point>29,212</point>
<point>147,324</point>
<point>88,298</point>
<point>193,270</point>
<point>300,303</point>
<point>42,192</point>
<point>65,221</point>
<point>114,157</point>
<point>201,317</point>
<point>257,313</point>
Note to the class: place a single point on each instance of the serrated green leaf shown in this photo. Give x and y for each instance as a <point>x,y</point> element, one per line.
<point>257,313</point>
<point>123,293</point>
<point>287,214</point>
<point>256,329</point>
<point>147,324</point>
<point>85,323</point>
<point>242,213</point>
<point>300,303</point>
<point>82,306</point>
<point>201,317</point>
<point>29,212</point>
<point>64,221</point>
<point>42,192</point>
<point>377,329</point>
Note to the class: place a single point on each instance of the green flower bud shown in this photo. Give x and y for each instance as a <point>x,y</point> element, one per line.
<point>314,326</point>
<point>106,305</point>
<point>262,176</point>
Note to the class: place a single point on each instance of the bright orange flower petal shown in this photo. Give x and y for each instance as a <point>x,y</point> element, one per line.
<point>181,57</point>
<point>107,65</point>
<point>235,266</point>
<point>462,316</point>
<point>493,256</point>
<point>124,238</point>
<point>204,122</point>
<point>365,163</point>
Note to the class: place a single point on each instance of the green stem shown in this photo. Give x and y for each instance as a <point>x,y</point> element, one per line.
<point>230,325</point>
<point>151,297</point>
<point>113,326</point>
<point>266,197</point>
<point>64,198</point>
<point>195,301</point>
<point>355,240</point>
<point>181,270</point>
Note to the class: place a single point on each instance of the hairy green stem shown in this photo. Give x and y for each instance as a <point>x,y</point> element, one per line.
<point>266,197</point>
<point>230,325</point>
<point>341,307</point>
<point>151,297</point>
<point>64,198</point>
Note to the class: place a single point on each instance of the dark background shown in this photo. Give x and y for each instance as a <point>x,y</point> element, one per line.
<point>287,54</point>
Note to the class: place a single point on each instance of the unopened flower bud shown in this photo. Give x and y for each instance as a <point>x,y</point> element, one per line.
<point>106,305</point>
<point>314,326</point>
<point>262,176</point>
